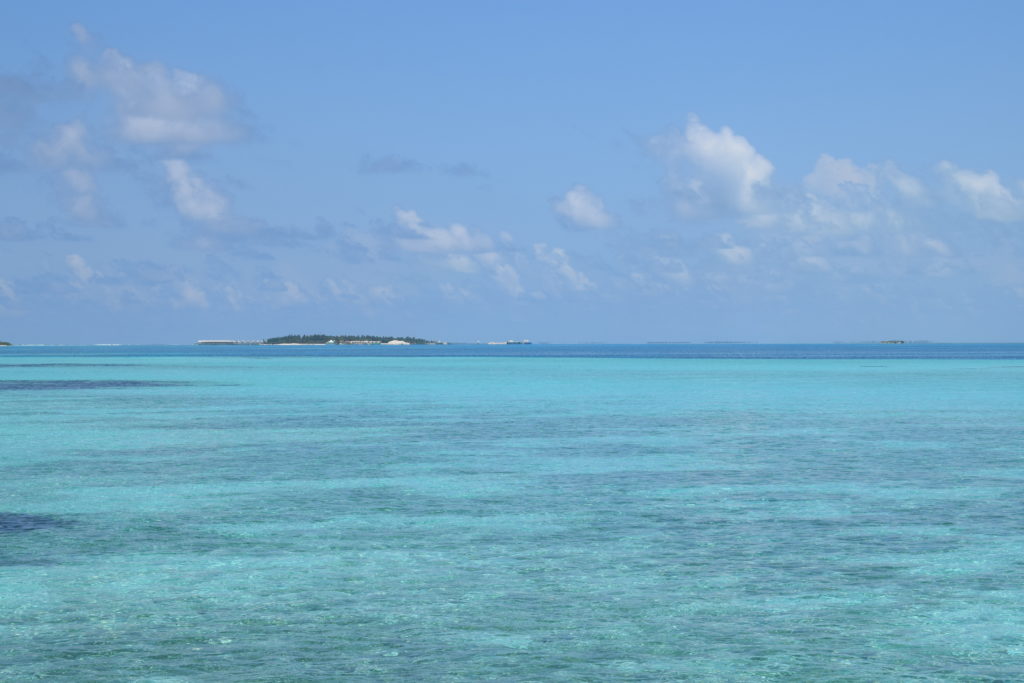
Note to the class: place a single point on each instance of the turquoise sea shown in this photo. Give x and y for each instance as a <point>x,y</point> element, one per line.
<point>514,513</point>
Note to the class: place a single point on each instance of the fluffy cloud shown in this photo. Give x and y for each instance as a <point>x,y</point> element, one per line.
<point>508,277</point>
<point>938,246</point>
<point>81,33</point>
<point>503,273</point>
<point>907,185</point>
<point>158,104</point>
<point>79,268</point>
<point>839,204</point>
<point>713,170</point>
<point>674,270</point>
<point>67,145</point>
<point>815,262</point>
<point>559,260</point>
<point>985,193</point>
<point>720,172</point>
<point>192,196</point>
<point>465,251</point>
<point>191,295</point>
<point>455,238</point>
<point>734,253</point>
<point>832,177</point>
<point>285,292</point>
<point>233,296</point>
<point>82,186</point>
<point>461,263</point>
<point>582,207</point>
<point>7,290</point>
<point>841,178</point>
<point>67,150</point>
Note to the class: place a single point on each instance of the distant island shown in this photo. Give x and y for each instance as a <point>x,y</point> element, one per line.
<point>321,339</point>
<point>3,343</point>
<point>343,339</point>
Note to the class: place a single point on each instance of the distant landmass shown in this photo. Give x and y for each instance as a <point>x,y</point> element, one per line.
<point>322,339</point>
<point>343,339</point>
<point>3,343</point>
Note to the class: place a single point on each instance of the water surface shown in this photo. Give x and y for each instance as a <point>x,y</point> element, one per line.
<point>652,512</point>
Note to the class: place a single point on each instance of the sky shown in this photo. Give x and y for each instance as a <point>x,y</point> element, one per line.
<point>556,171</point>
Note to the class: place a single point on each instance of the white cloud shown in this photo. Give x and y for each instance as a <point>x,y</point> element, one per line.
<point>81,33</point>
<point>723,170</point>
<point>508,277</point>
<point>408,219</point>
<point>158,104</point>
<point>711,171</point>
<point>334,288</point>
<point>461,263</point>
<point>826,216</point>
<point>80,268</point>
<point>454,293</point>
<point>938,246</point>
<point>907,185</point>
<point>466,250</point>
<point>455,238</point>
<point>67,145</point>
<point>844,220</point>
<point>841,197</point>
<point>583,208</point>
<point>382,293</point>
<point>81,183</point>
<point>832,177</point>
<point>285,292</point>
<point>674,270</point>
<point>841,178</point>
<point>7,290</point>
<point>816,262</point>
<point>990,199</point>
<point>293,294</point>
<point>734,253</point>
<point>559,260</point>
<point>503,273</point>
<point>192,196</point>
<point>67,150</point>
<point>233,296</point>
<point>191,295</point>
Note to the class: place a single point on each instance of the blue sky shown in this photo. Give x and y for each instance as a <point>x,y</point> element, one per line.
<point>571,171</point>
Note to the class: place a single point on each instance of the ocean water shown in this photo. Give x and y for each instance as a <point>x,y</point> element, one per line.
<point>528,513</point>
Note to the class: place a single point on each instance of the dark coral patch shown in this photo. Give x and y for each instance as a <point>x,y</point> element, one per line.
<point>65,384</point>
<point>12,523</point>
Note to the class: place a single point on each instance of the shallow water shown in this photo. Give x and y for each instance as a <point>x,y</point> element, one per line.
<point>512,513</point>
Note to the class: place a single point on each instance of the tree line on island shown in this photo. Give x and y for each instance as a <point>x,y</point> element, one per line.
<point>343,339</point>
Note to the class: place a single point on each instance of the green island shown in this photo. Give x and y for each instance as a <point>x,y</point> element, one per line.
<point>3,343</point>
<point>344,339</point>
